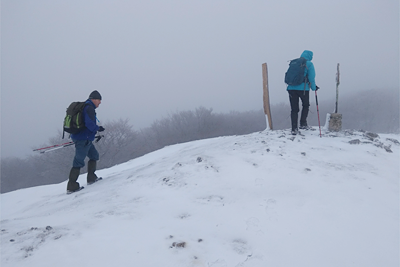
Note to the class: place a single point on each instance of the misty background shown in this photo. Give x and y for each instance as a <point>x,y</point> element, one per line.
<point>149,59</point>
<point>121,142</point>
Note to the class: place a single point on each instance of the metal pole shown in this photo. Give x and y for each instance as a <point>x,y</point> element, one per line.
<point>319,123</point>
<point>53,146</point>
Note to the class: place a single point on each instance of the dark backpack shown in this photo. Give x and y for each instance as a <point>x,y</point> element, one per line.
<point>74,121</point>
<point>295,73</point>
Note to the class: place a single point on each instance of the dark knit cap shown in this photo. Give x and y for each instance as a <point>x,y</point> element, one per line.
<point>95,95</point>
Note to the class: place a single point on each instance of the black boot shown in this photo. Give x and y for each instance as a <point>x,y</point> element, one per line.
<point>91,176</point>
<point>73,185</point>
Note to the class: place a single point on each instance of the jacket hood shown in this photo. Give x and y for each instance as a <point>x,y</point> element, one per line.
<point>307,55</point>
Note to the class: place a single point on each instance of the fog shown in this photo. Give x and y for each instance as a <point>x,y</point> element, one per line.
<point>152,58</point>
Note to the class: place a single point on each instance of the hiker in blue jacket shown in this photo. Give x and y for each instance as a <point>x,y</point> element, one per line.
<point>302,91</point>
<point>84,145</point>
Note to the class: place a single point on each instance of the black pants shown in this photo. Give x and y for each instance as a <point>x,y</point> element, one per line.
<point>294,96</point>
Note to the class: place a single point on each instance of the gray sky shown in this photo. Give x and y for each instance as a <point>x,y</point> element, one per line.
<point>152,58</point>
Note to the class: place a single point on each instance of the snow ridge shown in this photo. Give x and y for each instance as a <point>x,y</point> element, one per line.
<point>264,199</point>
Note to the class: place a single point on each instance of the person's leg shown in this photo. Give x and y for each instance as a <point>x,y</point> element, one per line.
<point>305,100</point>
<point>294,105</point>
<point>73,185</point>
<point>81,150</point>
<point>92,163</point>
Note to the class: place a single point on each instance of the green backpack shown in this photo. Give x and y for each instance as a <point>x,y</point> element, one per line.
<point>74,121</point>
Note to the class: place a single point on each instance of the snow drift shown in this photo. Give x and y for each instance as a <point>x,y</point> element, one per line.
<point>264,199</point>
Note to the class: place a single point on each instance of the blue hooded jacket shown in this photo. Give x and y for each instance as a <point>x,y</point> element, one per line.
<point>91,129</point>
<point>310,72</point>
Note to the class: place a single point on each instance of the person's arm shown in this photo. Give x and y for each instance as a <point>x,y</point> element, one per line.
<point>311,75</point>
<point>90,119</point>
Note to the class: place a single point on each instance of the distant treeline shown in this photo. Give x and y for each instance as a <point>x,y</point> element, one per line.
<point>376,111</point>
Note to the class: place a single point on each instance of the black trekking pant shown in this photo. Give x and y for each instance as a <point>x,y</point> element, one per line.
<point>294,96</point>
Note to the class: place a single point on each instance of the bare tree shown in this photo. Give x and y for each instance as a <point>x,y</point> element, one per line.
<point>117,145</point>
<point>376,110</point>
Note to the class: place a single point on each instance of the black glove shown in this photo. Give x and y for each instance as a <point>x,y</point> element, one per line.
<point>101,128</point>
<point>98,138</point>
<point>316,87</point>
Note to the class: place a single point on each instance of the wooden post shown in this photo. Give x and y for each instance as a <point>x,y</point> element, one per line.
<point>335,119</point>
<point>337,88</point>
<point>267,108</point>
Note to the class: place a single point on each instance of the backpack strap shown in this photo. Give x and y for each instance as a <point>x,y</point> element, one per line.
<point>64,134</point>
<point>305,78</point>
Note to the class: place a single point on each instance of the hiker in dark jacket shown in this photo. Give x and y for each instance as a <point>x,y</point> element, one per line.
<point>84,145</point>
<point>302,91</point>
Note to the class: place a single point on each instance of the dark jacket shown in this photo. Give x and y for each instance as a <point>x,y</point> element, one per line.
<point>91,129</point>
<point>310,73</point>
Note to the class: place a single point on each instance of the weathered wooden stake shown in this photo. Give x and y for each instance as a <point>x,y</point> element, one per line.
<point>335,119</point>
<point>337,87</point>
<point>267,108</point>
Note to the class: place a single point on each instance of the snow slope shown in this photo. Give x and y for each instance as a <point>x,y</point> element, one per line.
<point>263,199</point>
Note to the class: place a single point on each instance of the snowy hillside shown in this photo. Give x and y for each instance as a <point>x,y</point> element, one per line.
<point>263,199</point>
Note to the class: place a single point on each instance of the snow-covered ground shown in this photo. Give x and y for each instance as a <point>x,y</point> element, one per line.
<point>263,199</point>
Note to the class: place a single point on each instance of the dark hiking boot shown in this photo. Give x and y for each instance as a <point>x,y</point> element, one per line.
<point>73,191</point>
<point>97,179</point>
<point>305,127</point>
<point>73,185</point>
<point>91,176</point>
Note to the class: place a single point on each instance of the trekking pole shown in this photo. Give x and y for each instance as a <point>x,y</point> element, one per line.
<point>44,151</point>
<point>319,123</point>
<point>53,146</point>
